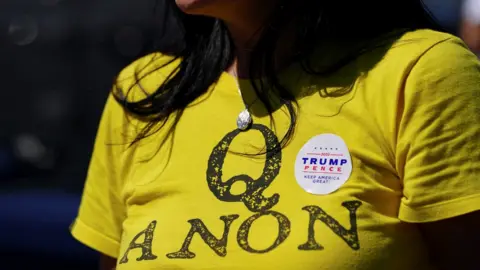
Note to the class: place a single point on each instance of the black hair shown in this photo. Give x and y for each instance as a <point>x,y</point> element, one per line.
<point>206,51</point>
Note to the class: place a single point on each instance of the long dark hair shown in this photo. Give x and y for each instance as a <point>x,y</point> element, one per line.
<point>206,51</point>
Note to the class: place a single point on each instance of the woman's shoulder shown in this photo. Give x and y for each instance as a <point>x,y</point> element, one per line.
<point>423,38</point>
<point>144,75</point>
<point>133,83</point>
<point>390,52</point>
<point>419,59</point>
<point>434,63</point>
<point>413,45</point>
<point>410,50</point>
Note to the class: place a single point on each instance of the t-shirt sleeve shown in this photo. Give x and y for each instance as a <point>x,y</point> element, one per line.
<point>102,209</point>
<point>438,149</point>
<point>101,213</point>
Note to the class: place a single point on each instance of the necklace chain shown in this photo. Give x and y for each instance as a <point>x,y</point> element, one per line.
<point>244,119</point>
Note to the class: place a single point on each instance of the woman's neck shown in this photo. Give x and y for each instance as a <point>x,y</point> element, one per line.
<point>246,27</point>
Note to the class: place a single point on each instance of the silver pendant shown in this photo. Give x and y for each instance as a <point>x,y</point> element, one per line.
<point>244,120</point>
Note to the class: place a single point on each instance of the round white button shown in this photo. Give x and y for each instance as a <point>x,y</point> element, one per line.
<point>323,164</point>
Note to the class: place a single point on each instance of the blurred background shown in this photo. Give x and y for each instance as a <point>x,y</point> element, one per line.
<point>57,61</point>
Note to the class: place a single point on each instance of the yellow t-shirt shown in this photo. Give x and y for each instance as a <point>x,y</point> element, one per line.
<point>401,146</point>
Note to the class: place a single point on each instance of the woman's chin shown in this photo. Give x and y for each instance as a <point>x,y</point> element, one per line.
<point>189,6</point>
<point>200,7</point>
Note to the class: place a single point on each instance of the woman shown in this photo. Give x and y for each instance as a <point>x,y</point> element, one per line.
<point>291,135</point>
